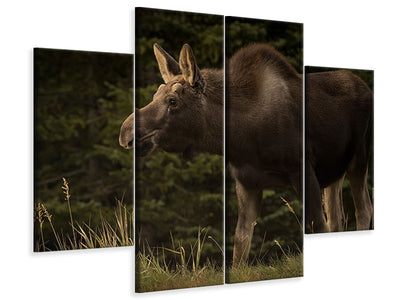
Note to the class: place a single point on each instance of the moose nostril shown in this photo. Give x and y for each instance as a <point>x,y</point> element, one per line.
<point>130,143</point>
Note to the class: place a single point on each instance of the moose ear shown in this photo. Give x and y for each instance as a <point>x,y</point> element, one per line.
<point>168,66</point>
<point>189,68</point>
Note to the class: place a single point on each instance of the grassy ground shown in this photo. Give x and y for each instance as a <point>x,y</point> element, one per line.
<point>155,272</point>
<point>287,267</point>
<point>84,236</point>
<point>153,276</point>
<point>150,278</point>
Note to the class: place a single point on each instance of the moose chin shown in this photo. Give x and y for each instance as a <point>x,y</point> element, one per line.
<point>264,98</point>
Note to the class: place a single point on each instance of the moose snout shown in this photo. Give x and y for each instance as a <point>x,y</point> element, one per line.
<point>126,133</point>
<point>126,139</point>
<point>127,145</point>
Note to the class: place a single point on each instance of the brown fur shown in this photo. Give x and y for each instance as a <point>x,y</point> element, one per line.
<point>264,128</point>
<point>194,123</point>
<point>338,136</point>
<point>264,132</point>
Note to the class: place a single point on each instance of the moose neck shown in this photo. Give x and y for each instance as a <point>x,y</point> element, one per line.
<point>212,140</point>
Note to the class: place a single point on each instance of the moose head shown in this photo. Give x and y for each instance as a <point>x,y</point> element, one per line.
<point>175,120</point>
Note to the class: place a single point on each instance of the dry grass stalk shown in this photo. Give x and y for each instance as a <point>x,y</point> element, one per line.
<point>280,247</point>
<point>292,211</point>
<point>65,188</point>
<point>84,235</point>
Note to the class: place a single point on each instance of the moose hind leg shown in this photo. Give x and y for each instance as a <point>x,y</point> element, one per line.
<point>249,201</point>
<point>333,205</point>
<point>358,172</point>
<point>314,210</point>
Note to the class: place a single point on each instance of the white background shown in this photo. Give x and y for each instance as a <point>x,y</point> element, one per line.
<point>357,34</point>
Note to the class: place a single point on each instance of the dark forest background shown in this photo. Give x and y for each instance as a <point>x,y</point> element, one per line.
<point>80,101</point>
<point>177,197</point>
<point>368,77</point>
<point>275,222</point>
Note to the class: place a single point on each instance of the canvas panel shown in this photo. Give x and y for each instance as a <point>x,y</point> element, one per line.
<point>339,149</point>
<point>179,142</point>
<point>264,149</point>
<point>83,179</point>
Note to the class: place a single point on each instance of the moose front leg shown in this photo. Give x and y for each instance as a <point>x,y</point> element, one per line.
<point>249,201</point>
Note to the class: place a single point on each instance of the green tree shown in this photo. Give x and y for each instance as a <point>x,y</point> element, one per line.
<point>80,101</point>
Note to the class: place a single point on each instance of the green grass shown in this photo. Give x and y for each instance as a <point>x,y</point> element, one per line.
<point>150,277</point>
<point>110,233</point>
<point>153,275</point>
<point>154,272</point>
<point>288,266</point>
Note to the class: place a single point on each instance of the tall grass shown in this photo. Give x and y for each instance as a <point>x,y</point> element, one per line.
<point>110,233</point>
<point>154,272</point>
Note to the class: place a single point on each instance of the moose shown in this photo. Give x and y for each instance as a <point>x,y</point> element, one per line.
<point>264,139</point>
<point>339,121</point>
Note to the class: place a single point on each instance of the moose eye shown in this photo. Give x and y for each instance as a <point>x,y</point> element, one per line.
<point>172,102</point>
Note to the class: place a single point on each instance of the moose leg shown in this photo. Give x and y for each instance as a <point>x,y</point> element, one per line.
<point>248,210</point>
<point>333,205</point>
<point>358,172</point>
<point>314,211</point>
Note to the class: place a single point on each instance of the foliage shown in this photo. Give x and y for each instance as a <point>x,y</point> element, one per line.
<point>287,38</point>
<point>81,100</point>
